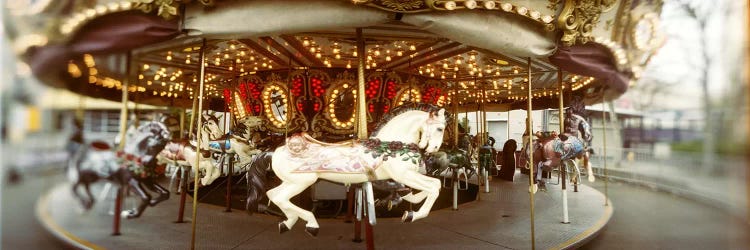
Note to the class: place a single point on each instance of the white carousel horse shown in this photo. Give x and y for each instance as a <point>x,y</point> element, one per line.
<point>392,152</point>
<point>135,166</point>
<point>551,150</point>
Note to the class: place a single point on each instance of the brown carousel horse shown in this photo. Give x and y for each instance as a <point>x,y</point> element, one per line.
<point>135,166</point>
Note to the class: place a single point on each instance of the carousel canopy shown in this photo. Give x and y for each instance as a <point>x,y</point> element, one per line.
<point>304,52</point>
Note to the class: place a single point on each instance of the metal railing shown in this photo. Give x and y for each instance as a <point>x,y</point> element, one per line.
<point>721,183</point>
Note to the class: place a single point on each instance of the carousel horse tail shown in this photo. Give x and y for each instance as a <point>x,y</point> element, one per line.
<point>256,178</point>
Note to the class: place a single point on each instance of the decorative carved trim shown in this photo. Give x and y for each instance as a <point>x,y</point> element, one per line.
<point>578,18</point>
<point>166,9</point>
<point>415,6</point>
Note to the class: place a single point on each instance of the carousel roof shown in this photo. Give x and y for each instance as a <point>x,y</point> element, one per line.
<point>475,51</point>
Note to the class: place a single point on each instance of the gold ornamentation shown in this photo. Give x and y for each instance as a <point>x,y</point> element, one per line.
<point>166,9</point>
<point>578,18</point>
<point>402,5</point>
<point>552,5</point>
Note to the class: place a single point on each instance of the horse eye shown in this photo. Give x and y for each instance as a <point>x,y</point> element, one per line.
<point>440,129</point>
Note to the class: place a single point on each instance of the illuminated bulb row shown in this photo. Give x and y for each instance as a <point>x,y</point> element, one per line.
<point>491,5</point>
<point>412,95</point>
<point>332,109</point>
<point>267,104</point>
<point>80,18</point>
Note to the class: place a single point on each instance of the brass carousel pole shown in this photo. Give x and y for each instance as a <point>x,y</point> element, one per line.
<point>604,151</point>
<point>185,171</point>
<point>202,82</point>
<point>362,134</point>
<point>454,103</point>
<point>529,128</point>
<point>485,138</point>
<point>563,169</point>
<point>123,129</point>
<point>182,123</point>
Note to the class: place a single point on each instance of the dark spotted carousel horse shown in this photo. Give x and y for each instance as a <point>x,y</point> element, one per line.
<point>135,166</point>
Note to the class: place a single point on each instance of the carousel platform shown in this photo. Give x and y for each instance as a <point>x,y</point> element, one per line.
<point>498,220</point>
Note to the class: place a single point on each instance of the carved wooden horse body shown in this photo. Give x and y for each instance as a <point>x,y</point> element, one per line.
<point>392,152</point>
<point>135,166</point>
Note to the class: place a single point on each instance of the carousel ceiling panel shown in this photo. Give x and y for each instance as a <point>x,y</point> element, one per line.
<point>278,17</point>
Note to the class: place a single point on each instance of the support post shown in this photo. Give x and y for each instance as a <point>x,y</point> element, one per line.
<point>202,82</point>
<point>185,173</point>
<point>604,153</point>
<point>485,139</point>
<point>530,127</point>
<point>230,173</point>
<point>563,168</point>
<point>121,146</point>
<point>362,116</point>
<point>182,124</point>
<point>118,211</point>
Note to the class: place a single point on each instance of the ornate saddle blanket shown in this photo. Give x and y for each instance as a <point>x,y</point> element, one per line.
<point>316,156</point>
<point>569,148</point>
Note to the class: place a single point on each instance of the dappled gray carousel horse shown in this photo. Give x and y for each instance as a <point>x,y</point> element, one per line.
<point>135,166</point>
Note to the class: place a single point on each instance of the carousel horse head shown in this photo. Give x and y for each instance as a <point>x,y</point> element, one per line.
<point>147,140</point>
<point>432,132</point>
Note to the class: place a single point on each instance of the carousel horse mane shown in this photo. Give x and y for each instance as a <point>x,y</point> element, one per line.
<point>406,107</point>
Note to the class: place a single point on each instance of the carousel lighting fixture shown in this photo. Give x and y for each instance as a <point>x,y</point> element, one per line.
<point>348,64</point>
<point>489,5</point>
<point>412,47</point>
<point>506,7</point>
<point>522,10</point>
<point>73,69</point>
<point>145,66</point>
<point>388,58</point>
<point>450,5</point>
<point>169,56</point>
<point>399,52</point>
<point>337,56</point>
<point>305,41</point>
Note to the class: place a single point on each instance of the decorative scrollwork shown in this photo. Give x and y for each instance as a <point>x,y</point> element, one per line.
<point>403,5</point>
<point>166,9</point>
<point>578,18</point>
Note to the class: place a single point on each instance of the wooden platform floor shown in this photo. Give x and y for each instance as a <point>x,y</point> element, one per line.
<point>499,220</point>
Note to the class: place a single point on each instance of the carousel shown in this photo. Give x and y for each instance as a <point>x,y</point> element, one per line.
<point>292,103</point>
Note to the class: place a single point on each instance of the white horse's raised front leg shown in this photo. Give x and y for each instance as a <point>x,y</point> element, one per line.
<point>429,187</point>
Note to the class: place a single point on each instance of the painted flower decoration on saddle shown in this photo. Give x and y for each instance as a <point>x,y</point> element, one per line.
<point>393,149</point>
<point>135,165</point>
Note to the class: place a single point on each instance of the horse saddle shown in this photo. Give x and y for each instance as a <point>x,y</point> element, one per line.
<point>317,156</point>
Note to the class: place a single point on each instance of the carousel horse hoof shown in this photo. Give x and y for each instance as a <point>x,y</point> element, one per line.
<point>312,231</point>
<point>128,214</point>
<point>591,178</point>
<point>408,216</point>
<point>283,228</point>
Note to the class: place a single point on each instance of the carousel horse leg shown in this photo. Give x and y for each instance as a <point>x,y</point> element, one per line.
<point>428,185</point>
<point>163,193</point>
<point>173,179</point>
<point>90,202</point>
<point>145,198</point>
<point>281,196</point>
